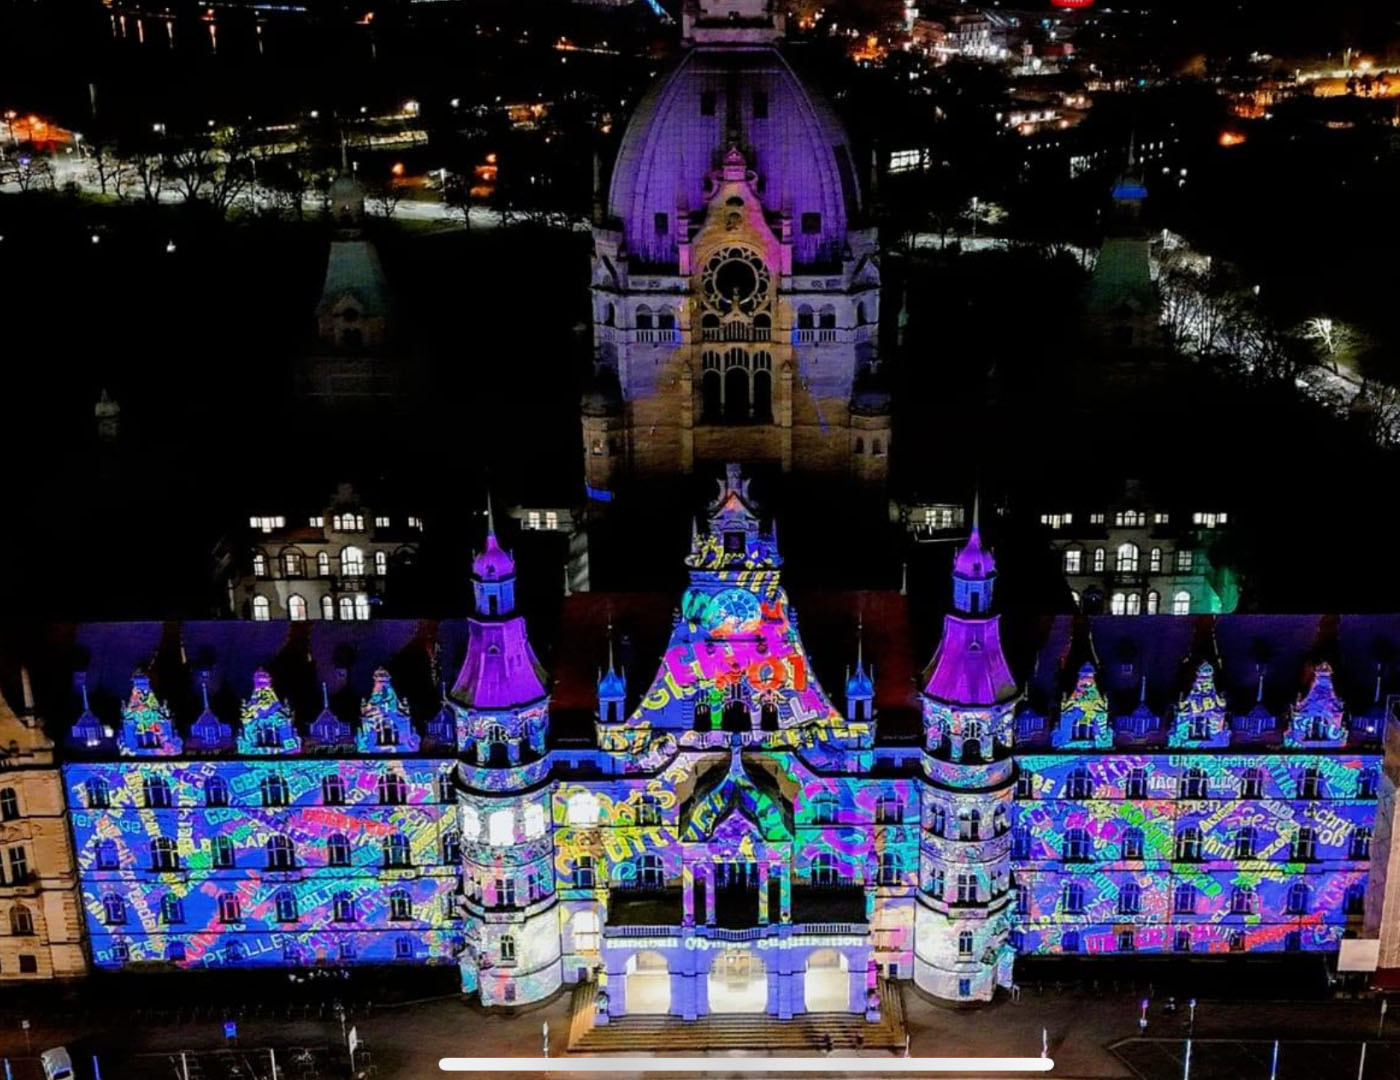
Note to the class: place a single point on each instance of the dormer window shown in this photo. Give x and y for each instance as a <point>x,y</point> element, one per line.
<point>734,543</point>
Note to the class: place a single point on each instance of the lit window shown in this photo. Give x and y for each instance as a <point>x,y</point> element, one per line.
<point>501,828</point>
<point>316,521</point>
<point>1154,601</point>
<point>362,607</point>
<point>583,808</point>
<point>532,519</point>
<point>327,607</point>
<point>586,932</point>
<point>905,160</point>
<point>260,565</point>
<point>534,820</point>
<point>352,562</point>
<point>415,523</point>
<point>1181,603</point>
<point>267,524</point>
<point>1127,559</point>
<point>1099,560</point>
<point>1057,521</point>
<point>1074,561</point>
<point>292,563</point>
<point>1184,561</point>
<point>1129,519</point>
<point>1161,519</point>
<point>296,608</point>
<point>551,519</point>
<point>1154,561</point>
<point>1095,519</point>
<point>323,564</point>
<point>1119,604</point>
<point>381,563</point>
<point>347,608</point>
<point>471,823</point>
<point>381,522</point>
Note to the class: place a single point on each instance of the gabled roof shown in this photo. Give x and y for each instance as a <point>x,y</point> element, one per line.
<point>736,792</point>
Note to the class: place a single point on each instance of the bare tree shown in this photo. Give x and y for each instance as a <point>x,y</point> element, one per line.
<point>457,197</point>
<point>33,171</point>
<point>386,198</point>
<point>149,170</point>
<point>1332,339</point>
<point>112,171</point>
<point>192,168</point>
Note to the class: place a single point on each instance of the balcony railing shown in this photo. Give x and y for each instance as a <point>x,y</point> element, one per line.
<point>658,335</point>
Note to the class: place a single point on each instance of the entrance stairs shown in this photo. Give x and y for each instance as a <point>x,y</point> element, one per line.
<point>671,1034</point>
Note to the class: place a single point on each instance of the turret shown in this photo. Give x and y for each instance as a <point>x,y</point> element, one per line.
<point>612,690</point>
<point>860,685</point>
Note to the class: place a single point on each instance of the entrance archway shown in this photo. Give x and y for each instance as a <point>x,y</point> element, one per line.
<point>738,983</point>
<point>648,984</point>
<point>826,987</point>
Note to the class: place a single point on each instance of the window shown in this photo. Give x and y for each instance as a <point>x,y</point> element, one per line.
<point>316,521</point>
<point>352,562</point>
<point>937,884</point>
<point>507,949</point>
<point>362,607</point>
<point>1193,784</point>
<point>1073,898</point>
<point>274,790</point>
<point>1243,901</point>
<point>175,952</point>
<point>1154,561</point>
<point>415,523</point>
<point>285,902</point>
<point>332,790</point>
<point>551,517</point>
<point>346,949</point>
<point>824,810</point>
<point>338,850</point>
<point>281,853</point>
<point>1130,519</point>
<point>1057,521</point>
<point>292,563</point>
<point>107,855</point>
<point>1132,843</point>
<point>1366,784</point>
<point>965,943</point>
<point>400,905</point>
<point>583,872</point>
<point>1096,519</point>
<point>1074,561</point>
<point>1188,843</point>
<point>113,909</point>
<point>586,932</point>
<point>1154,601</point>
<point>267,524</point>
<point>532,519</point>
<point>296,608</point>
<point>327,608</point>
<point>1305,844</point>
<point>97,794</point>
<point>1069,941</point>
<point>1099,560</point>
<point>156,790</point>
<point>230,909</point>
<point>648,813</point>
<point>1078,847</point>
<point>259,565</point>
<point>393,789</point>
<point>1360,847</point>
<point>1252,784</point>
<point>216,791</point>
<point>1020,842</point>
<point>9,804</point>
<point>1127,560</point>
<point>1185,558</point>
<point>1079,785</point>
<point>381,563</point>
<point>967,888</point>
<point>403,947</point>
<point>1025,785</point>
<point>163,854</point>
<point>938,820</point>
<point>222,853</point>
<point>343,907</point>
<point>1184,899</point>
<point>970,824</point>
<point>1181,603</point>
<point>451,848</point>
<point>1355,902</point>
<point>650,874</point>
<point>396,851</point>
<point>381,521</point>
<point>1127,942</point>
<point>1310,783</point>
<point>21,921</point>
<point>471,823</point>
<point>1209,520</point>
<point>1297,899</point>
<point>811,224</point>
<point>323,564</point>
<point>1136,787</point>
<point>262,610</point>
<point>501,828</point>
<point>823,869</point>
<point>583,809</point>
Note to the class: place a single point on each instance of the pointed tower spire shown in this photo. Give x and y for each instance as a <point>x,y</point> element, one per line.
<point>490,515</point>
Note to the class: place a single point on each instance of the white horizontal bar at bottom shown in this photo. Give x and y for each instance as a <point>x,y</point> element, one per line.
<point>727,1064</point>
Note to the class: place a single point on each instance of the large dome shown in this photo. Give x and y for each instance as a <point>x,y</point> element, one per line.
<point>678,134</point>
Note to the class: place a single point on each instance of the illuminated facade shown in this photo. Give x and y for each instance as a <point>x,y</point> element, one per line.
<point>736,284</point>
<point>727,839</point>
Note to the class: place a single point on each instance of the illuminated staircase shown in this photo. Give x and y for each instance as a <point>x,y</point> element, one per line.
<point>670,1034</point>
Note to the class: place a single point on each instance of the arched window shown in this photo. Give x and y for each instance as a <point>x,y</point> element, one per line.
<point>1193,784</point>
<point>338,850</point>
<point>1069,941</point>
<point>163,854</point>
<point>937,883</point>
<point>156,790</point>
<point>222,853</point>
<point>1188,843</point>
<point>393,789</point>
<point>1305,844</point>
<point>1360,847</point>
<point>1154,601</point>
<point>938,820</point>
<point>501,827</point>
<point>1355,902</point>
<point>113,909</point>
<point>281,853</point>
<point>969,824</point>
<point>824,869</point>
<point>274,790</point>
<point>1020,842</point>
<point>1154,560</point>
<point>352,562</point>
<point>471,823</point>
<point>285,902</point>
<point>332,789</point>
<point>1118,604</point>
<point>804,318</point>
<point>891,868</point>
<point>296,608</point>
<point>362,607</point>
<point>583,872</point>
<point>826,318</point>
<point>1079,784</point>
<point>1127,561</point>
<point>343,907</point>
<point>824,809</point>
<point>21,920</point>
<point>259,564</point>
<point>230,908</point>
<point>1297,899</point>
<point>1243,900</point>
<point>736,392</point>
<point>98,795</point>
<point>262,610</point>
<point>396,851</point>
<point>292,563</point>
<point>965,943</point>
<point>1181,603</point>
<point>1236,941</point>
<point>323,564</point>
<point>9,804</point>
<point>1245,837</point>
<point>666,322</point>
<point>762,393</point>
<point>172,909</point>
<point>216,791</point>
<point>1252,784</point>
<point>583,808</point>
<point>860,312</point>
<point>381,563</point>
<point>400,905</point>
<point>1073,897</point>
<point>1367,783</point>
<point>1130,899</point>
<point>1310,783</point>
<point>1132,843</point>
<point>328,608</point>
<point>107,858</point>
<point>507,949</point>
<point>643,318</point>
<point>1098,560</point>
<point>1181,942</point>
<point>860,444</point>
<point>1078,846</point>
<point>1127,941</point>
<point>451,848</point>
<point>650,874</point>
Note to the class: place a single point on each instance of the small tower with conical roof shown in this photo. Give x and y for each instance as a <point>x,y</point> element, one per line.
<point>860,684</point>
<point>502,705</point>
<point>612,690</point>
<point>962,920</point>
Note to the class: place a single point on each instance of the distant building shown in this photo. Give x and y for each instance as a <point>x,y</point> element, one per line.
<point>40,921</point>
<point>1131,558</point>
<point>1122,308</point>
<point>339,561</point>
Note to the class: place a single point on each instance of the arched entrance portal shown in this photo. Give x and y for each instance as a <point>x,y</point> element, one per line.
<point>738,983</point>
<point>648,984</point>
<point>827,985</point>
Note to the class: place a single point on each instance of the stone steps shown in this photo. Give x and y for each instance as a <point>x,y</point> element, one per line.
<point>809,1031</point>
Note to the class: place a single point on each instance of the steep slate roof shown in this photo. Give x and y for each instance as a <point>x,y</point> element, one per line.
<point>353,268</point>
